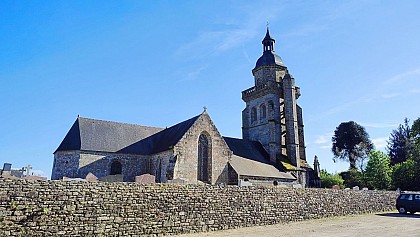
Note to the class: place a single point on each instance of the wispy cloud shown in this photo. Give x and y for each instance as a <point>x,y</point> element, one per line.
<point>323,139</point>
<point>234,34</point>
<point>390,95</point>
<point>380,125</point>
<point>404,76</point>
<point>380,143</point>
<point>213,42</point>
<point>384,91</point>
<point>414,91</point>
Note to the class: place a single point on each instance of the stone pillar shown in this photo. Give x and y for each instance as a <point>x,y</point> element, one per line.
<point>290,113</point>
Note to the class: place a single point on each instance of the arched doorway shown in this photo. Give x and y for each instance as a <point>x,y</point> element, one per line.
<point>116,168</point>
<point>204,158</point>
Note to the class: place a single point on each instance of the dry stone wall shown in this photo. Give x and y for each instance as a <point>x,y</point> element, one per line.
<point>60,208</point>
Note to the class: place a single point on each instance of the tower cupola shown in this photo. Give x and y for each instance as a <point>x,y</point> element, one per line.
<point>269,58</point>
<point>268,42</point>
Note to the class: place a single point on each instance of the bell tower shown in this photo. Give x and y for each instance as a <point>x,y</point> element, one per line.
<point>271,115</point>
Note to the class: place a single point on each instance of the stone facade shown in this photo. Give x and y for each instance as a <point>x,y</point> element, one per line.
<point>58,208</point>
<point>271,115</point>
<point>178,162</point>
<point>186,152</point>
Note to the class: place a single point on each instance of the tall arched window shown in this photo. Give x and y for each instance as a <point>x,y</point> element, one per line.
<point>253,114</point>
<point>204,159</point>
<point>263,112</point>
<point>116,168</point>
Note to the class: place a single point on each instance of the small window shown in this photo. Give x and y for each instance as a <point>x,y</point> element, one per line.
<point>253,114</point>
<point>403,196</point>
<point>263,112</point>
<point>116,168</point>
<point>410,198</point>
<point>417,197</point>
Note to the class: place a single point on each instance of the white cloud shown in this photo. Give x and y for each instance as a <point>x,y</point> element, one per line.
<point>390,95</point>
<point>414,91</point>
<point>380,143</point>
<point>404,76</point>
<point>323,139</point>
<point>380,125</point>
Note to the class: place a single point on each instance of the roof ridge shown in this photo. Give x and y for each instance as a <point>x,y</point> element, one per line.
<point>108,121</point>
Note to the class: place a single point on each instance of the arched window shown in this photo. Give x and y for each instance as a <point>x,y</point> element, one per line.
<point>204,159</point>
<point>263,112</point>
<point>253,114</point>
<point>116,168</point>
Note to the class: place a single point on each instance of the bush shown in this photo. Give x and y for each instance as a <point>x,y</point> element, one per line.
<point>328,180</point>
<point>352,178</point>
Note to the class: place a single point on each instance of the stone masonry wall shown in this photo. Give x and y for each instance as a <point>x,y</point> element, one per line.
<point>59,208</point>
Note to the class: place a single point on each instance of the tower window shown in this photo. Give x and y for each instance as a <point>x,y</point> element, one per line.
<point>263,112</point>
<point>253,114</point>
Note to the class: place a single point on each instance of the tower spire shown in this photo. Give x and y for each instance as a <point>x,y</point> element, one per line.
<point>268,41</point>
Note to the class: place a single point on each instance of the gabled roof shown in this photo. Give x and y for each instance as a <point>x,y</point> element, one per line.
<point>248,167</point>
<point>106,136</point>
<point>161,141</point>
<point>251,159</point>
<point>252,150</point>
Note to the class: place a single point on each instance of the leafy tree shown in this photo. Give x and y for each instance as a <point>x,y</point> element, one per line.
<point>328,180</point>
<point>415,138</point>
<point>378,172</point>
<point>350,142</point>
<point>353,177</point>
<point>399,144</point>
<point>406,175</point>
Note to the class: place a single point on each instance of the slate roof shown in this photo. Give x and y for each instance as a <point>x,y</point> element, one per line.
<point>269,58</point>
<point>161,141</point>
<point>106,136</point>
<point>248,149</point>
<point>248,167</point>
<point>251,159</point>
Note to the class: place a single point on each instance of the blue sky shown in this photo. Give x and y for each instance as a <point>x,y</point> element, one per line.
<point>159,62</point>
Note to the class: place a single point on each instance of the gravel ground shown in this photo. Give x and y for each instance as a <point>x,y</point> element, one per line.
<point>382,224</point>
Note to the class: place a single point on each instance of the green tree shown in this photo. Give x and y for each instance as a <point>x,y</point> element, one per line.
<point>415,138</point>
<point>350,142</point>
<point>352,177</point>
<point>378,173</point>
<point>406,175</point>
<point>400,143</point>
<point>328,180</point>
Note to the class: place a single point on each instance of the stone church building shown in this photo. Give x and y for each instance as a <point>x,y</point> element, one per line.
<point>272,150</point>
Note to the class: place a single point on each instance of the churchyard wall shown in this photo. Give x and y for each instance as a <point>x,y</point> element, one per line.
<point>69,208</point>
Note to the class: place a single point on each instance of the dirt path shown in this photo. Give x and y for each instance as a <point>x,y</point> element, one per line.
<point>384,224</point>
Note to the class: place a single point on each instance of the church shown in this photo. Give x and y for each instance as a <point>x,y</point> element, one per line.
<point>271,151</point>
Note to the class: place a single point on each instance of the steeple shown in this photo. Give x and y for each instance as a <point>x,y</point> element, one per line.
<point>268,42</point>
<point>269,58</point>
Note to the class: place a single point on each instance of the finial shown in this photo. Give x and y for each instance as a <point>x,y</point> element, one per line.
<point>78,115</point>
<point>205,109</point>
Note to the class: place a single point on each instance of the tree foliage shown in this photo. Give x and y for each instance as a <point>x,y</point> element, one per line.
<point>406,175</point>
<point>378,171</point>
<point>328,180</point>
<point>350,142</point>
<point>400,144</point>
<point>352,178</point>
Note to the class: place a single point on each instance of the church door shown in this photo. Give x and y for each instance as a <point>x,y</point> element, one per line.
<point>204,159</point>
<point>116,168</point>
